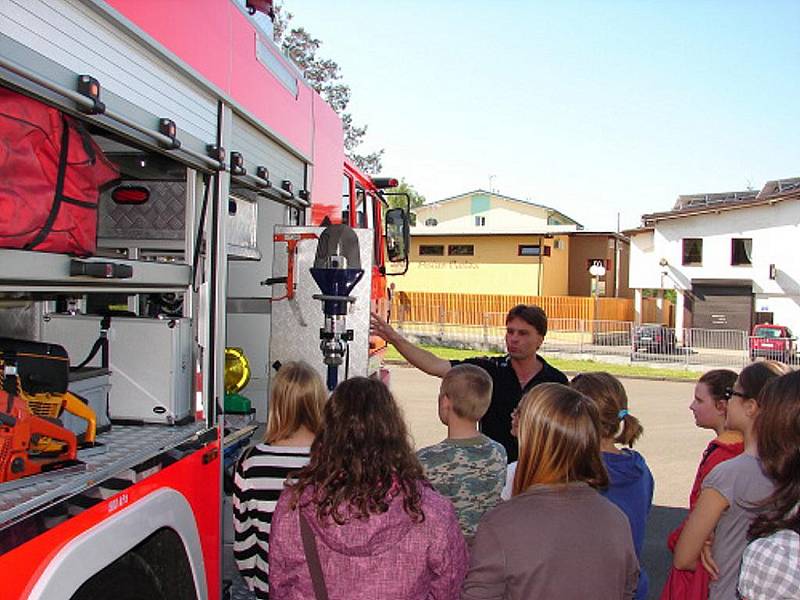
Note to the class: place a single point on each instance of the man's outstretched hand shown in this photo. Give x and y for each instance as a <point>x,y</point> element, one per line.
<point>419,357</point>
<point>379,327</point>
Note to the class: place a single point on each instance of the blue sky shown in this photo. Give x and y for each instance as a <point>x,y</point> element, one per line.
<point>593,108</point>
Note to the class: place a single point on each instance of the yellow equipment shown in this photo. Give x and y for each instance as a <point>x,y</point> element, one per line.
<point>237,370</point>
<point>51,406</point>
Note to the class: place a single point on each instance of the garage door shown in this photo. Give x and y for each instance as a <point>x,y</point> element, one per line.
<point>720,306</point>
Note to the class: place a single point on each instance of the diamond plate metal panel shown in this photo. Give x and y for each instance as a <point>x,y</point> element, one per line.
<point>19,321</point>
<point>241,225</point>
<point>162,217</point>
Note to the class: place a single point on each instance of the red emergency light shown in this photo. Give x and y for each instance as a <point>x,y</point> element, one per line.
<point>264,6</point>
<point>130,194</point>
<point>383,183</point>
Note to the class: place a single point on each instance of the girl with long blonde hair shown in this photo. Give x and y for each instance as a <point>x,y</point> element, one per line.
<point>295,417</point>
<point>557,537</point>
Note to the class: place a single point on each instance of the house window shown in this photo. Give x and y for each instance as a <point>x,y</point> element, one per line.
<point>480,221</point>
<point>461,250</point>
<point>431,250</point>
<point>741,251</point>
<point>532,250</point>
<point>692,251</point>
<point>431,222</point>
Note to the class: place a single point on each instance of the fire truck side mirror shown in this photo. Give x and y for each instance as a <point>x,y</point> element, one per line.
<point>397,235</point>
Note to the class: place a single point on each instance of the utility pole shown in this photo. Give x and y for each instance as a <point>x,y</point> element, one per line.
<point>617,255</point>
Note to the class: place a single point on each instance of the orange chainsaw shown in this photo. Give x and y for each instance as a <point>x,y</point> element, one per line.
<point>21,433</point>
<point>34,377</point>
<point>41,378</point>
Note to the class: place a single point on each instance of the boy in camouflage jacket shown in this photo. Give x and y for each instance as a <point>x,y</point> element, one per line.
<point>467,467</point>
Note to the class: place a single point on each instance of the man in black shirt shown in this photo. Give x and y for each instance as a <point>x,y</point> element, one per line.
<point>512,375</point>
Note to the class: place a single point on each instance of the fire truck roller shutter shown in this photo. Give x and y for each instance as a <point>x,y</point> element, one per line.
<point>260,147</point>
<point>249,314</point>
<point>138,82</point>
<point>89,553</point>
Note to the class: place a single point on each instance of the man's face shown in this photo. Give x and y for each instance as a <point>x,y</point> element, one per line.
<point>522,339</point>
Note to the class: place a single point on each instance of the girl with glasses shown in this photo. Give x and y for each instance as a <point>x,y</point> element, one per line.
<point>770,563</point>
<point>716,530</point>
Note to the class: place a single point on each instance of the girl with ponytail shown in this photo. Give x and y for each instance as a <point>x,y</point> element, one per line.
<point>631,483</point>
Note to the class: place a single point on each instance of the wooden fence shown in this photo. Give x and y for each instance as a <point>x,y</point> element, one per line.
<point>486,309</point>
<point>650,312</point>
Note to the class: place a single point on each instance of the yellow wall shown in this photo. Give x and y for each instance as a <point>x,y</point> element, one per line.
<point>556,275</point>
<point>495,267</point>
<point>501,211</point>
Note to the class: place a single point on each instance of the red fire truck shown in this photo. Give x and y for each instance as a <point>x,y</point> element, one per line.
<point>231,171</point>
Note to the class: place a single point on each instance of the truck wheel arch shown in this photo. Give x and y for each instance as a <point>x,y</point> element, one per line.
<point>97,548</point>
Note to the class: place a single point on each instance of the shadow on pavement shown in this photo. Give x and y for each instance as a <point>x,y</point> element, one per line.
<point>655,555</point>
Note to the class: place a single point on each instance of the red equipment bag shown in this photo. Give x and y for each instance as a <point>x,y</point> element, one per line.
<point>51,172</point>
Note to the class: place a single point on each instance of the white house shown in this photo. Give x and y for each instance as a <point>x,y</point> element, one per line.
<point>732,258</point>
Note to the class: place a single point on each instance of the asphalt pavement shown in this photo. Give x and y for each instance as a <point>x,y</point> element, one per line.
<point>671,444</point>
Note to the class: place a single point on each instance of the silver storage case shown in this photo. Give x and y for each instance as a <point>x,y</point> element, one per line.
<point>150,361</point>
<point>93,385</point>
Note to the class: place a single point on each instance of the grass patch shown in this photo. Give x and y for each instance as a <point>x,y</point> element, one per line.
<point>441,352</point>
<point>565,364</point>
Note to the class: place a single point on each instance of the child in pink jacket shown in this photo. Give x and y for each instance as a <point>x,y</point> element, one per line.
<point>379,529</point>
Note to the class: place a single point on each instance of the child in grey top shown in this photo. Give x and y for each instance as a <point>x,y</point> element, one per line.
<point>731,493</point>
<point>467,467</point>
<point>743,484</point>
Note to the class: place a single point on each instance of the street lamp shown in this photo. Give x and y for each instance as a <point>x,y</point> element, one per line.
<point>596,270</point>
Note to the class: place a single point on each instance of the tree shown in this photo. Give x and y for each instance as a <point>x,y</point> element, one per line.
<point>324,76</point>
<point>416,199</point>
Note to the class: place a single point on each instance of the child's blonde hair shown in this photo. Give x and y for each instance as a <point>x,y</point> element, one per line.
<point>469,388</point>
<point>607,392</point>
<point>559,439</point>
<point>296,401</point>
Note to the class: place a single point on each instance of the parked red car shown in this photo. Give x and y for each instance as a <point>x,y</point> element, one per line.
<point>772,341</point>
